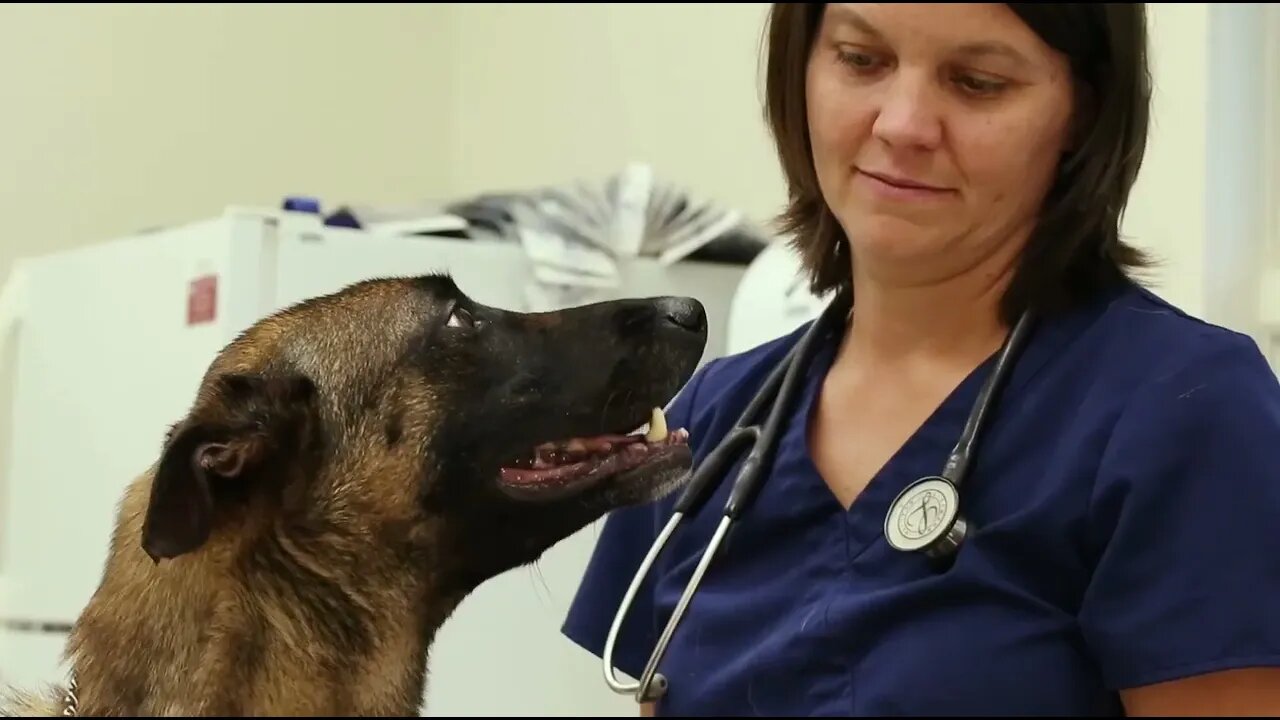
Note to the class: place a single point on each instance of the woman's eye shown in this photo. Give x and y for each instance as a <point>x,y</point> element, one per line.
<point>857,60</point>
<point>979,86</point>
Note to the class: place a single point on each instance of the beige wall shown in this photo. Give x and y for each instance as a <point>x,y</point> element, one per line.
<point>120,117</point>
<point>124,117</point>
<point>1167,210</point>
<point>551,93</point>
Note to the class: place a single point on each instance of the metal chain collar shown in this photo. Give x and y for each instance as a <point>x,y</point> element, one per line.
<point>71,706</point>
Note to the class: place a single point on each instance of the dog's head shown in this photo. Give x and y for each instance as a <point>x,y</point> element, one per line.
<point>413,421</point>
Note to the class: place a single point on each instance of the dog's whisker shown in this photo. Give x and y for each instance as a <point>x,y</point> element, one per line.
<point>536,568</point>
<point>604,410</point>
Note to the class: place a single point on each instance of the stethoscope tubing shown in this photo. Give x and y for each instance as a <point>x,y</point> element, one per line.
<point>781,387</point>
<point>783,382</point>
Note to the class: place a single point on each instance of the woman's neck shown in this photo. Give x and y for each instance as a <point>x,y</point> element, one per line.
<point>951,320</point>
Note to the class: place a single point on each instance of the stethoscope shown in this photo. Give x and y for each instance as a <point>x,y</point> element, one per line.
<point>924,517</point>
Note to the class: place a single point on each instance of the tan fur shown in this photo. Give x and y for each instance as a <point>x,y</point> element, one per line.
<point>44,703</point>
<point>322,591</point>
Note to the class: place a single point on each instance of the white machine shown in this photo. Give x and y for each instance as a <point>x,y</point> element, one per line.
<point>108,344</point>
<point>772,299</point>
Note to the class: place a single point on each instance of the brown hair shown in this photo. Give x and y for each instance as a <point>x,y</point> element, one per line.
<point>1076,250</point>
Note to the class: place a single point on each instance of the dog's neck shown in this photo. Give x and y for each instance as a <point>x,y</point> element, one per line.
<point>272,633</point>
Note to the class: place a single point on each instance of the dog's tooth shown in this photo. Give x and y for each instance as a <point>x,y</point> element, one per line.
<point>576,445</point>
<point>657,427</point>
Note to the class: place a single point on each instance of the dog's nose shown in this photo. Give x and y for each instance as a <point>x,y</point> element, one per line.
<point>685,313</point>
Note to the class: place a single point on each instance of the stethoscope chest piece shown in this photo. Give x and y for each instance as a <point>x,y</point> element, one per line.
<point>925,516</point>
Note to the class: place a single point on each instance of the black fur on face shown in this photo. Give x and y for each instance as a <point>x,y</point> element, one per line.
<point>512,381</point>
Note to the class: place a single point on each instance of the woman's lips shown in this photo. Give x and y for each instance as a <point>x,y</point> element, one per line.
<point>896,187</point>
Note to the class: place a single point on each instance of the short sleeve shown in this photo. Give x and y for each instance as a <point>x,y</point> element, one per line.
<point>1185,515</point>
<point>624,540</point>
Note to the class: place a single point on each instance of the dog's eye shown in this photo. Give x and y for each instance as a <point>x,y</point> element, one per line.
<point>460,318</point>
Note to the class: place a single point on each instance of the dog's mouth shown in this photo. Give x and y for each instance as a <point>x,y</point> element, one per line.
<point>563,466</point>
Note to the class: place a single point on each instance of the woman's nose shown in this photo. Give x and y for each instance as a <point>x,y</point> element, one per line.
<point>909,115</point>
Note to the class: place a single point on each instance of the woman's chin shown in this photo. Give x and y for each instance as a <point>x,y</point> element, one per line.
<point>895,239</point>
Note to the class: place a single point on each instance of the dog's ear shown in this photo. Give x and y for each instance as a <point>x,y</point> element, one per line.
<point>242,430</point>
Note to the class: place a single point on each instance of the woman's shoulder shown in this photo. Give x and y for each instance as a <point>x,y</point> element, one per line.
<point>1149,386</point>
<point>1187,461</point>
<point>1142,343</point>
<point>1189,412</point>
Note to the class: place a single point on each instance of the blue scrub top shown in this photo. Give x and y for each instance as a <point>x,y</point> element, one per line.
<point>1127,508</point>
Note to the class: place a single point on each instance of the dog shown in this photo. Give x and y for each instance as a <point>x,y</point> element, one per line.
<point>350,469</point>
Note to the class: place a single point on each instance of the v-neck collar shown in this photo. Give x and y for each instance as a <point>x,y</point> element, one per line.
<point>926,449</point>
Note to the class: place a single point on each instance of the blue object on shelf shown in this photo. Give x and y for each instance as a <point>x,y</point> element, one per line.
<point>302,203</point>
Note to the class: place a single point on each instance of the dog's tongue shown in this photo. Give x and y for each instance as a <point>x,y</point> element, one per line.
<point>560,461</point>
<point>549,455</point>
<point>548,476</point>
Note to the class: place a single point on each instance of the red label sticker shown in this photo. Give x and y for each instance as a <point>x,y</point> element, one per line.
<point>202,300</point>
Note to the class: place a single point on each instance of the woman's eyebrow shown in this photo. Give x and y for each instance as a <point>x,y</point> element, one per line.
<point>989,48</point>
<point>843,15</point>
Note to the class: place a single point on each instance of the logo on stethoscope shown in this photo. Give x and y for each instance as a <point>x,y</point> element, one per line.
<point>921,514</point>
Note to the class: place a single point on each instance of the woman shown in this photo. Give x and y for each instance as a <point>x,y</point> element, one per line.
<point>955,165</point>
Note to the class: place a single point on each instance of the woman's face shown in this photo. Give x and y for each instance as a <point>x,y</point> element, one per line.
<point>936,132</point>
